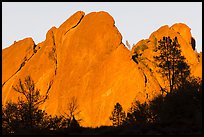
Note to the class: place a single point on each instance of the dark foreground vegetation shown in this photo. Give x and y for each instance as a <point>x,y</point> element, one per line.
<point>179,112</point>
<point>175,111</point>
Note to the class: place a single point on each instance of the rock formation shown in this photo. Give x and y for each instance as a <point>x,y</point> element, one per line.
<point>144,50</point>
<point>85,58</point>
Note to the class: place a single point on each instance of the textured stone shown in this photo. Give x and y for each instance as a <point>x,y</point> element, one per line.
<point>146,50</point>
<point>85,58</point>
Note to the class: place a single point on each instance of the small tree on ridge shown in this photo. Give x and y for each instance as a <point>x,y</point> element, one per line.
<point>118,115</point>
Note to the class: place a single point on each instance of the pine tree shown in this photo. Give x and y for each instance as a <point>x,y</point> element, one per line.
<point>171,63</point>
<point>138,114</point>
<point>118,115</point>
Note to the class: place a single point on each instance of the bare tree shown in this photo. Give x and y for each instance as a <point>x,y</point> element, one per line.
<point>73,107</point>
<point>128,45</point>
<point>73,111</point>
<point>32,97</point>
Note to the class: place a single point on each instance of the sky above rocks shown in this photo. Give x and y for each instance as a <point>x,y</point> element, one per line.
<point>134,20</point>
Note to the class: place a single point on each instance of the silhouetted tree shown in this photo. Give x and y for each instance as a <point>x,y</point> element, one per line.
<point>178,112</point>
<point>74,123</point>
<point>72,112</point>
<point>73,107</point>
<point>53,123</point>
<point>183,106</point>
<point>32,99</point>
<point>171,63</point>
<point>10,118</point>
<point>138,114</point>
<point>118,115</point>
<point>15,117</point>
<point>156,108</point>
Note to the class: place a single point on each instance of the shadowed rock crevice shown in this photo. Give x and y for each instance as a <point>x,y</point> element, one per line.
<point>25,60</point>
<point>193,43</point>
<point>75,25</point>
<point>53,57</point>
<point>91,63</point>
<point>54,53</point>
<point>49,87</point>
<point>145,79</point>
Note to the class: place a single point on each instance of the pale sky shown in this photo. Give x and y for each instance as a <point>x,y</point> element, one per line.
<point>134,20</point>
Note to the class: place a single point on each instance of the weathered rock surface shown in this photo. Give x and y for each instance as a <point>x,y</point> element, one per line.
<point>85,58</point>
<point>15,57</point>
<point>145,50</point>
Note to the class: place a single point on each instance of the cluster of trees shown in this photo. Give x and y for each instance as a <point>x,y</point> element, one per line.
<point>25,114</point>
<point>180,108</point>
<point>182,104</point>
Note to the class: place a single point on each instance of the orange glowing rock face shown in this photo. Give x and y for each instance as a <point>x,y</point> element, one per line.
<point>182,32</point>
<point>15,55</point>
<point>85,58</point>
